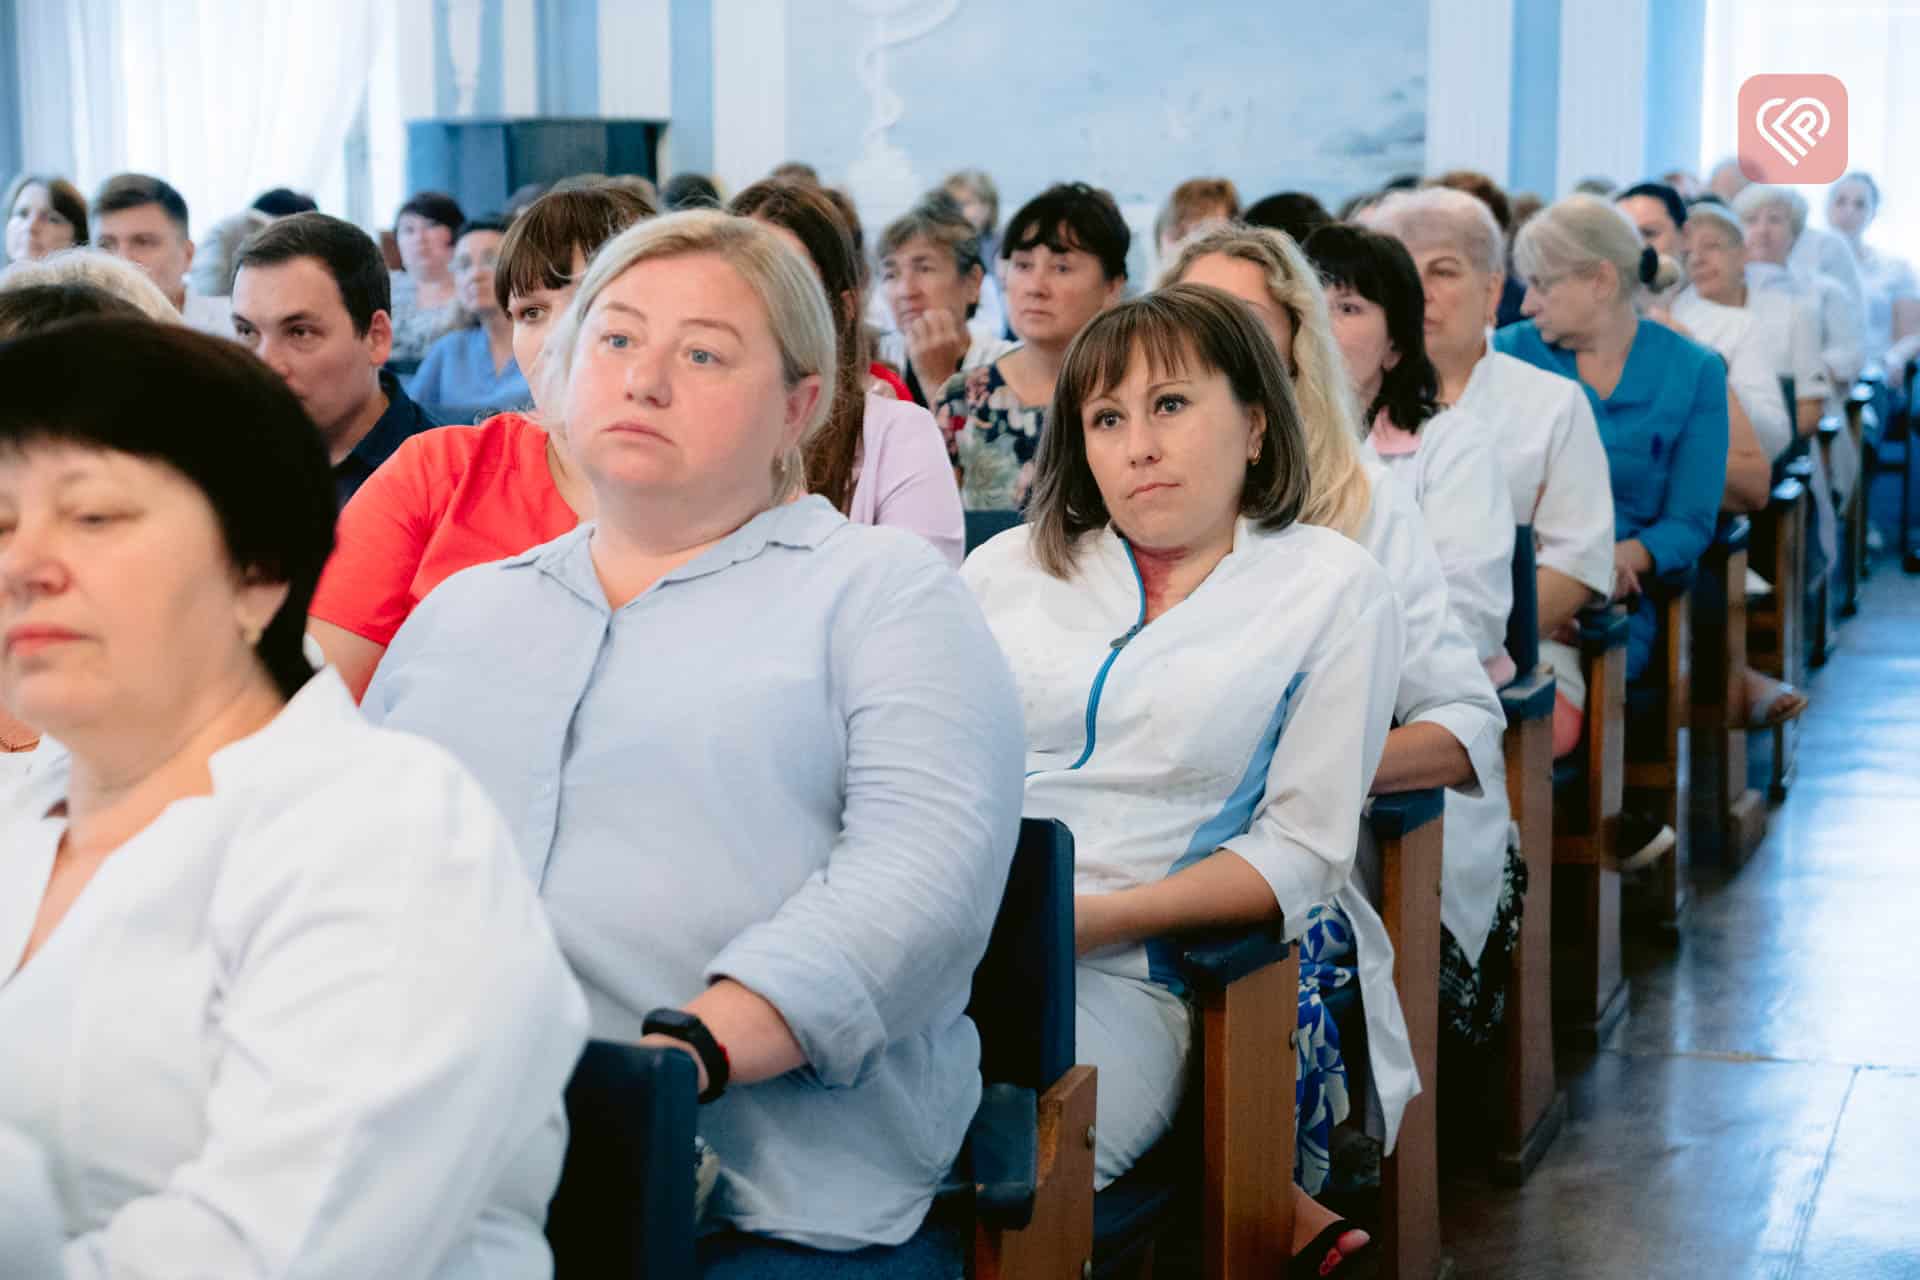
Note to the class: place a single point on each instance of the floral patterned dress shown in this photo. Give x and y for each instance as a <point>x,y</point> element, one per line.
<point>991,436</point>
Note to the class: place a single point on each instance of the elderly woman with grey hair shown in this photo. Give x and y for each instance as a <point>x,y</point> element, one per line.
<point>932,275</point>
<point>99,269</point>
<point>1776,224</point>
<point>801,911</point>
<point>1659,399</point>
<point>1543,427</point>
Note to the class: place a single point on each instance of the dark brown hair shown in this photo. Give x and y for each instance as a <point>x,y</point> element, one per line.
<point>61,194</point>
<point>538,250</point>
<point>137,190</point>
<point>811,215</point>
<point>347,253</point>
<point>208,409</point>
<point>1191,327</point>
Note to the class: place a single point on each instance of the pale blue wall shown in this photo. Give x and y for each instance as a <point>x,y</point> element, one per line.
<point>10,145</point>
<point>1535,130</point>
<point>1676,77</point>
<point>568,32</point>
<point>1135,95</point>
<point>690,135</point>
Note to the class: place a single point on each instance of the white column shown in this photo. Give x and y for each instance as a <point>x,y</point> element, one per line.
<point>1603,91</point>
<point>636,59</point>
<point>749,89</point>
<point>519,59</point>
<point>1470,86</point>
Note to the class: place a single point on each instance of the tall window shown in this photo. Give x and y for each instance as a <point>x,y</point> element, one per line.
<point>1872,48</point>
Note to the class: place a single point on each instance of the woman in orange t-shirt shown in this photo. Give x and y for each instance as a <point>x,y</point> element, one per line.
<point>456,497</point>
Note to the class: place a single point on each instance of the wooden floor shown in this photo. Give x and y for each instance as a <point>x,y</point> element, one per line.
<point>1758,1112</point>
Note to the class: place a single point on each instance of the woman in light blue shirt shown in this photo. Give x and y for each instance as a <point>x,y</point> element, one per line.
<point>1660,399</point>
<point>764,764</point>
<point>471,373</point>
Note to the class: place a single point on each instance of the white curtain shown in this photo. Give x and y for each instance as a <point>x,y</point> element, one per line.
<point>1872,49</point>
<point>222,98</point>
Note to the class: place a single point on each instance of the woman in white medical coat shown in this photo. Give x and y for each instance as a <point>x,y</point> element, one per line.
<point>276,995</point>
<point>1207,685</point>
<point>1448,721</point>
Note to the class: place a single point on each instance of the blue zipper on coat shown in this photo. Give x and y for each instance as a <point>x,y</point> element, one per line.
<point>1100,679</point>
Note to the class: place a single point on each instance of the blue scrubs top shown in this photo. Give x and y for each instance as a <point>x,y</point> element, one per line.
<point>1665,432</point>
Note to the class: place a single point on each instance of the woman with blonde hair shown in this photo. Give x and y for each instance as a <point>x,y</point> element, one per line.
<point>800,911</point>
<point>1449,721</point>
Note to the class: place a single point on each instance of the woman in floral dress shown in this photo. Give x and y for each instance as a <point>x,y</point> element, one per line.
<point>1065,256</point>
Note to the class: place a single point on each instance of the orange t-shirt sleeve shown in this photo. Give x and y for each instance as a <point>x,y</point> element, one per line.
<point>367,586</point>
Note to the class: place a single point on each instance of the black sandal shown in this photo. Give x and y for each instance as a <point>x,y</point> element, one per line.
<point>1322,1256</point>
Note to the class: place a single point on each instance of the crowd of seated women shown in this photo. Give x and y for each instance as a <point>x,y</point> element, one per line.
<point>683,718</point>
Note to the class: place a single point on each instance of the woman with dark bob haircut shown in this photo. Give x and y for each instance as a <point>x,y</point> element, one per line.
<point>275,991</point>
<point>1208,684</point>
<point>1446,457</point>
<point>1065,256</point>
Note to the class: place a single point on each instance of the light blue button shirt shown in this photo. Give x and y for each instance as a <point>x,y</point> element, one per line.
<point>796,762</point>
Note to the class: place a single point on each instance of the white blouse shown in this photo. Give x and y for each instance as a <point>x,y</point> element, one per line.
<point>312,1024</point>
<point>1442,682</point>
<point>1248,717</point>
<point>1454,474</point>
<point>1755,362</point>
<point>1557,479</point>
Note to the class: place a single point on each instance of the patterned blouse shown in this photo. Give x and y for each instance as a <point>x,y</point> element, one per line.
<point>991,437</point>
<point>414,327</point>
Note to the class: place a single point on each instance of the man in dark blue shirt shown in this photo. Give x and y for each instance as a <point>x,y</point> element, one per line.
<point>312,298</point>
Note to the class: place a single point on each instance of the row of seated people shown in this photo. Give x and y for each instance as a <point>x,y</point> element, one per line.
<point>692,383</point>
<point>450,339</point>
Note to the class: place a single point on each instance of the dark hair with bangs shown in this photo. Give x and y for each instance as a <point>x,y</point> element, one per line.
<point>539,247</point>
<point>434,206</point>
<point>1380,269</point>
<point>1177,327</point>
<point>1072,215</point>
<point>812,216</point>
<point>207,408</point>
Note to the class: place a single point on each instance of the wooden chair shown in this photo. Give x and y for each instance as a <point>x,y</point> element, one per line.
<point>1227,1168</point>
<point>1532,1107</point>
<point>1817,617</point>
<point>982,525</point>
<point>1862,422</point>
<point>624,1207</point>
<point>1896,454</point>
<point>1776,547</point>
<point>1728,819</point>
<point>1407,828</point>
<point>1589,981</point>
<point>1659,739</point>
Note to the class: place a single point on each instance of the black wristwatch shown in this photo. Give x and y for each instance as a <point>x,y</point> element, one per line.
<point>689,1030</point>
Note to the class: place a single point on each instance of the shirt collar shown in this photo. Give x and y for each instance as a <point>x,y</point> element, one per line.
<point>402,419</point>
<point>803,525</point>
